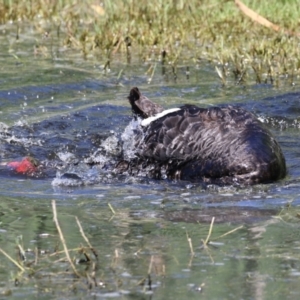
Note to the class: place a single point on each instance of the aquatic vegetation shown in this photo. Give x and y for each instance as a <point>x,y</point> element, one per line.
<point>86,270</point>
<point>171,32</point>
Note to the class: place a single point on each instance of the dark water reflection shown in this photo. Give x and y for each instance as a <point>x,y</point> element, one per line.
<point>64,110</point>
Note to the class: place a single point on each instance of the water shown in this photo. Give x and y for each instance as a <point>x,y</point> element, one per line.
<point>62,108</point>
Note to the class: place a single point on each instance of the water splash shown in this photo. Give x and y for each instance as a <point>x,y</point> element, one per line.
<point>129,136</point>
<point>97,167</point>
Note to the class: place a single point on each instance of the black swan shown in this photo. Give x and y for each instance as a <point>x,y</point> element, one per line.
<point>222,145</point>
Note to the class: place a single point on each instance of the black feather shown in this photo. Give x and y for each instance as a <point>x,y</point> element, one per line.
<point>222,145</point>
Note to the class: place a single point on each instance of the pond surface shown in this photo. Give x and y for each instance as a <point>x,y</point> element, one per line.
<point>59,107</point>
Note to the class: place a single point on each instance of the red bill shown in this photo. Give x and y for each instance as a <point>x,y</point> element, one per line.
<point>26,166</point>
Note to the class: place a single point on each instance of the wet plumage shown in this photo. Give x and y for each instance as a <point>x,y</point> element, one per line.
<point>141,105</point>
<point>218,145</point>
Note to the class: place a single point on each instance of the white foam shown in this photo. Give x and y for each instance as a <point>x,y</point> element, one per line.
<point>23,141</point>
<point>111,145</point>
<point>66,156</point>
<point>149,120</point>
<point>66,182</point>
<point>98,158</point>
<point>3,127</point>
